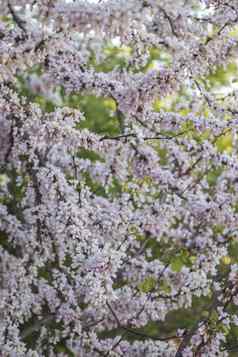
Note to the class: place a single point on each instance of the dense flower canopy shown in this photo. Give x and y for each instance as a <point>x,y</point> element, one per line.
<point>118,178</point>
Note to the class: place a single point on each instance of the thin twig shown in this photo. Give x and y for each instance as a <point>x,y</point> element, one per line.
<point>146,138</point>
<point>20,23</point>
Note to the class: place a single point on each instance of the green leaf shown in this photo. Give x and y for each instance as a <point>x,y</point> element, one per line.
<point>95,187</point>
<point>89,154</point>
<point>177,264</point>
<point>115,189</point>
<point>148,284</point>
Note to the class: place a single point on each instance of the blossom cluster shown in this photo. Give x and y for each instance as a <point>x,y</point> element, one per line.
<point>106,236</point>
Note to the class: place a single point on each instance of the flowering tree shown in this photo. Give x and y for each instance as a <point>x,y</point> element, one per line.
<point>118,178</point>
